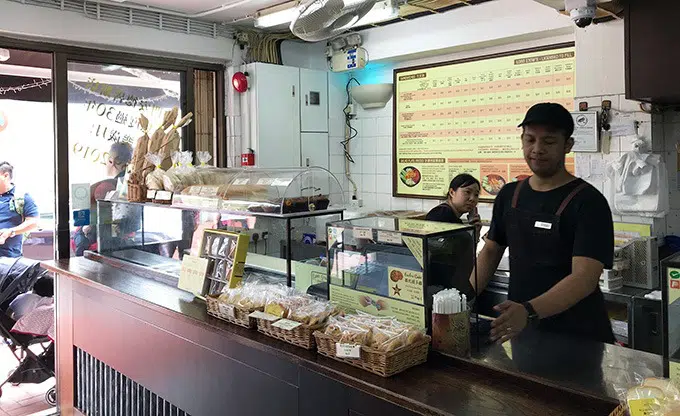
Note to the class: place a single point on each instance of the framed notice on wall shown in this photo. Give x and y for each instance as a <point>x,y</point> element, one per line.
<point>462,117</point>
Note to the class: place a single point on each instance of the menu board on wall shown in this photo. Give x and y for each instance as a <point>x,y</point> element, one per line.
<point>462,117</point>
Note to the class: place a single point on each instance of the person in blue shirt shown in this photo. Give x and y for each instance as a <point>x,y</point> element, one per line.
<point>18,214</point>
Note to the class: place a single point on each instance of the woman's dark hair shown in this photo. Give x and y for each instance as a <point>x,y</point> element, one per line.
<point>44,287</point>
<point>463,180</point>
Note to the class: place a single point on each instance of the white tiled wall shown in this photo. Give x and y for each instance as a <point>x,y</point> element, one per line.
<point>600,75</point>
<point>372,154</point>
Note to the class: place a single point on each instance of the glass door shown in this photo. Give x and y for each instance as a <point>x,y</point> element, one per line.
<point>27,158</point>
<point>105,103</point>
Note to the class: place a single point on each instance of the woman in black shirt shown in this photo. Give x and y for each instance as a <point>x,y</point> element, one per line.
<point>452,261</point>
<point>462,198</point>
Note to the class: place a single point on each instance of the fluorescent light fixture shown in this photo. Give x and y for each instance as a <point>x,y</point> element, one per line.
<point>382,11</point>
<point>281,17</point>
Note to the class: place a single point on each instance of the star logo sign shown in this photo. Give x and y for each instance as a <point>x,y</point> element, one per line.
<point>397,290</point>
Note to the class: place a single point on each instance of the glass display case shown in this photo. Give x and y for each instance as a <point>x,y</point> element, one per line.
<point>284,212</point>
<point>393,266</point>
<point>268,191</point>
<point>670,286</point>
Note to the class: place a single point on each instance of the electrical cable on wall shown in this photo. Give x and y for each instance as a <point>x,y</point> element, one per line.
<point>262,47</point>
<point>350,134</point>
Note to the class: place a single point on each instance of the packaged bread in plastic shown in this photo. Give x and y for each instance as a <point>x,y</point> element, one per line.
<point>650,396</point>
<point>154,180</point>
<point>280,304</point>
<point>380,333</point>
<point>203,158</point>
<point>312,314</point>
<point>182,174</point>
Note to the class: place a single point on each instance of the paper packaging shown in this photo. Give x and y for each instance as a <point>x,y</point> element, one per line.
<point>451,333</point>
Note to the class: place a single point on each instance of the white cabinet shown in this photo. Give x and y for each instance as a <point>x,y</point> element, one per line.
<point>274,115</point>
<point>314,149</point>
<point>313,100</point>
<point>283,105</point>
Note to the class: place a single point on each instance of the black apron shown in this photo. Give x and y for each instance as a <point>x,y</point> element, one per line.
<point>539,259</point>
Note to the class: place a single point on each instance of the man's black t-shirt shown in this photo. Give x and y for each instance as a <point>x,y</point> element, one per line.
<point>585,230</point>
<point>443,213</point>
<point>586,223</point>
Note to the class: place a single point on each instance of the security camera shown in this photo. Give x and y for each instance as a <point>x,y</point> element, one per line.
<point>582,12</point>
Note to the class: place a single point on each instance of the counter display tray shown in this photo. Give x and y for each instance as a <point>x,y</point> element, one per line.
<point>382,363</point>
<point>230,313</point>
<point>619,411</point>
<point>301,336</point>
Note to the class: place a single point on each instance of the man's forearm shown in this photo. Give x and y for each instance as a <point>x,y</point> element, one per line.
<point>487,263</point>
<point>27,226</point>
<point>565,294</point>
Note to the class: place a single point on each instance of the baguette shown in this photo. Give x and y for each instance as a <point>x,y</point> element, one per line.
<point>142,146</point>
<point>171,141</point>
<point>157,138</point>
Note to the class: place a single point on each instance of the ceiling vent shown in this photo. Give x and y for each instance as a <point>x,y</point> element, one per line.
<point>135,17</point>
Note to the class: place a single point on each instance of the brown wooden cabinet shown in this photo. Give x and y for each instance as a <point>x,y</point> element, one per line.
<point>652,31</point>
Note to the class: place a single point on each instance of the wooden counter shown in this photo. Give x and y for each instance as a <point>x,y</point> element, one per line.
<point>126,342</point>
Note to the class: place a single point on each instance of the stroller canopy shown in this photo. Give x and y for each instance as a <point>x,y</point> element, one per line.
<point>17,275</point>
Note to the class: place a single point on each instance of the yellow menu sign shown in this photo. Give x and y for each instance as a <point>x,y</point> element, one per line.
<point>351,300</point>
<point>462,118</point>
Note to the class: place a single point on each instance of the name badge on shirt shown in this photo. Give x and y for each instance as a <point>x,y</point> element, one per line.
<point>543,225</point>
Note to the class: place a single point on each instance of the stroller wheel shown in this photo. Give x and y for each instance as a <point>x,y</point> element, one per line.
<point>10,375</point>
<point>51,396</point>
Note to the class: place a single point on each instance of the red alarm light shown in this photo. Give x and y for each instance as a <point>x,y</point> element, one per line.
<point>240,82</point>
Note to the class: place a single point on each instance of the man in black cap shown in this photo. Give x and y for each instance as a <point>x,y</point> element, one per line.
<point>560,233</point>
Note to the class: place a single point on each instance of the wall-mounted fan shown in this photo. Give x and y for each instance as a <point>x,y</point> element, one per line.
<point>324,19</point>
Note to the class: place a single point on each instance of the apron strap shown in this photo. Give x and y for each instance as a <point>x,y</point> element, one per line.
<point>569,197</point>
<point>515,196</point>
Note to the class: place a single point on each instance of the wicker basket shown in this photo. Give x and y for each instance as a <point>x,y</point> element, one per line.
<point>301,336</point>
<point>382,363</point>
<point>136,192</point>
<point>619,411</point>
<point>239,317</point>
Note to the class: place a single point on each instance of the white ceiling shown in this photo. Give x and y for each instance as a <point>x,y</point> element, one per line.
<point>234,9</point>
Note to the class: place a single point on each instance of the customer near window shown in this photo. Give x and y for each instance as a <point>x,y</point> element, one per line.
<point>18,214</point>
<point>560,234</point>
<point>120,155</point>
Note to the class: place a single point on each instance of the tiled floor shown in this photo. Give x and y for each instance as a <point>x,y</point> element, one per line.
<point>25,399</point>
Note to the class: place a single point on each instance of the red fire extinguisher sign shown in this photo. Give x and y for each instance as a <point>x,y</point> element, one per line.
<point>248,158</point>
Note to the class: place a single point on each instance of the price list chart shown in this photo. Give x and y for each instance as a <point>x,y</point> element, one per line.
<point>462,117</point>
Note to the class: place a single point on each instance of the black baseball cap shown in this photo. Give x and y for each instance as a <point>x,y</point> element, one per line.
<point>551,115</point>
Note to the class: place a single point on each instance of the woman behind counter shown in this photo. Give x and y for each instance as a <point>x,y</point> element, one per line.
<point>462,198</point>
<point>453,260</point>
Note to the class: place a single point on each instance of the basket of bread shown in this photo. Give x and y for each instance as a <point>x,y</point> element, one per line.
<point>381,345</point>
<point>650,397</point>
<point>237,304</point>
<point>294,318</point>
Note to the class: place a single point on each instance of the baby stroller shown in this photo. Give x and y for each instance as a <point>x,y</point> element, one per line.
<point>18,275</point>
